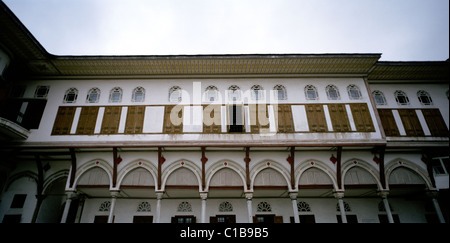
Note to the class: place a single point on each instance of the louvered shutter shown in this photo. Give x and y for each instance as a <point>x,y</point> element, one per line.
<point>411,122</point>
<point>135,119</point>
<point>339,117</point>
<point>63,121</point>
<point>435,122</point>
<point>283,118</point>
<point>212,117</point>
<point>388,122</point>
<point>362,118</point>
<point>169,126</point>
<point>111,119</point>
<point>316,118</point>
<point>88,117</point>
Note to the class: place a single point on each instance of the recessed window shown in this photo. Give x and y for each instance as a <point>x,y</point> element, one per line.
<point>234,93</point>
<point>401,97</point>
<point>332,92</point>
<point>18,201</point>
<point>353,92</point>
<point>379,98</point>
<point>257,92</point>
<point>115,96</point>
<point>280,92</point>
<point>138,95</point>
<point>41,91</point>
<point>175,94</point>
<point>424,97</point>
<point>93,95</point>
<point>71,95</point>
<point>311,92</point>
<point>211,93</point>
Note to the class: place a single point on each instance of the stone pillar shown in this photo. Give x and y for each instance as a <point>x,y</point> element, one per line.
<point>159,196</point>
<point>293,196</point>
<point>249,196</point>
<point>339,196</point>
<point>70,195</point>
<point>437,208</point>
<point>114,195</point>
<point>203,196</point>
<point>383,195</point>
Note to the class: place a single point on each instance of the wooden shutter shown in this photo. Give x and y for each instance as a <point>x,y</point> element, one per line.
<point>63,121</point>
<point>111,119</point>
<point>88,117</point>
<point>362,118</point>
<point>435,122</point>
<point>278,219</point>
<point>411,122</point>
<point>388,122</point>
<point>259,117</point>
<point>135,119</point>
<point>283,118</point>
<point>339,117</point>
<point>169,127</point>
<point>212,117</point>
<point>316,118</point>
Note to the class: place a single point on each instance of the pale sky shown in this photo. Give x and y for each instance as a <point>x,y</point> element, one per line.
<point>402,30</point>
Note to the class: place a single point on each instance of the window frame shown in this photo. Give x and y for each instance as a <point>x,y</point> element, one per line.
<point>115,95</point>
<point>74,93</point>
<point>405,99</point>
<point>328,88</point>
<point>135,91</point>
<point>93,91</point>
<point>311,88</point>
<point>353,89</point>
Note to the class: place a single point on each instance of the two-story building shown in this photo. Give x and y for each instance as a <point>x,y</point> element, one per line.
<point>219,138</point>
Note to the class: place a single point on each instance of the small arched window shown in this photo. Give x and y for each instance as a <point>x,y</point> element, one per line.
<point>332,92</point>
<point>401,97</point>
<point>71,95</point>
<point>115,95</point>
<point>211,93</point>
<point>353,92</point>
<point>144,207</point>
<point>138,95</point>
<point>424,97</point>
<point>225,207</point>
<point>379,98</point>
<point>303,207</point>
<point>175,94</point>
<point>311,92</point>
<point>257,92</point>
<point>234,93</point>
<point>105,206</point>
<point>93,95</point>
<point>184,207</point>
<point>264,207</point>
<point>280,92</point>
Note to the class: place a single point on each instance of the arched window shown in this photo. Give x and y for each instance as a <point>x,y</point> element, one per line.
<point>332,92</point>
<point>424,97</point>
<point>175,94</point>
<point>303,207</point>
<point>280,92</point>
<point>225,207</point>
<point>71,95</point>
<point>144,207</point>
<point>41,91</point>
<point>184,207</point>
<point>257,92</point>
<point>311,92</point>
<point>93,95</point>
<point>401,97</point>
<point>211,93</point>
<point>138,95</point>
<point>105,206</point>
<point>115,95</point>
<point>353,92</point>
<point>264,207</point>
<point>234,93</point>
<point>379,98</point>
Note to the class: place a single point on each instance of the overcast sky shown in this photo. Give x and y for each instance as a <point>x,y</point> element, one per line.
<point>402,30</point>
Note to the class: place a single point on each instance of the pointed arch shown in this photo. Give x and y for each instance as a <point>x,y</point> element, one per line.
<point>136,164</point>
<point>59,175</point>
<point>400,162</point>
<point>225,164</point>
<point>181,163</point>
<point>313,163</point>
<point>269,164</point>
<point>32,175</point>
<point>351,163</point>
<point>96,163</point>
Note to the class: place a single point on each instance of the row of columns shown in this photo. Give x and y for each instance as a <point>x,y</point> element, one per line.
<point>339,195</point>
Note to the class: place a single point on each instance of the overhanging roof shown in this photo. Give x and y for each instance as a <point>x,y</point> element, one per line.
<point>432,70</point>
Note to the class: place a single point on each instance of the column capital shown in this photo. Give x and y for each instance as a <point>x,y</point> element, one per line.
<point>159,195</point>
<point>249,195</point>
<point>293,195</point>
<point>383,193</point>
<point>71,194</point>
<point>338,194</point>
<point>203,195</point>
<point>114,193</point>
<point>432,193</point>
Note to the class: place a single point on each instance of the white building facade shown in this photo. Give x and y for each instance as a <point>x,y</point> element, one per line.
<point>320,138</point>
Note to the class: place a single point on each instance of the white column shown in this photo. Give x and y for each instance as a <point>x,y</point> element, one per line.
<point>70,195</point>
<point>114,195</point>
<point>203,196</point>
<point>340,196</point>
<point>249,196</point>
<point>293,196</point>
<point>437,208</point>
<point>383,195</point>
<point>159,196</point>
